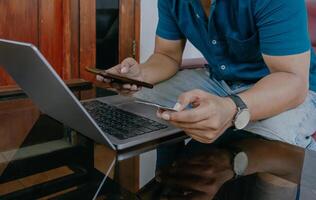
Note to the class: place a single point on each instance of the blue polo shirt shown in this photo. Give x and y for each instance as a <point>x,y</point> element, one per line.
<point>238,32</point>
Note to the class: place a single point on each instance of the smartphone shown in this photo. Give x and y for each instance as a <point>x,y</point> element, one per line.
<point>118,79</point>
<point>162,107</point>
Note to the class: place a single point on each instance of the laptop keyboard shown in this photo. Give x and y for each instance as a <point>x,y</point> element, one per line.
<point>119,123</point>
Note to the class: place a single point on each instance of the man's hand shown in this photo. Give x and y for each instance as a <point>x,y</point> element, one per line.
<point>207,120</point>
<point>198,178</point>
<point>128,68</point>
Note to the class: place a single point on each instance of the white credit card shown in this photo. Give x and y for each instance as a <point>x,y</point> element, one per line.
<point>162,107</point>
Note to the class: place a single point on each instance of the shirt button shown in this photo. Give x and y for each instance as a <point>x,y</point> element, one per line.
<point>214,42</point>
<point>223,67</point>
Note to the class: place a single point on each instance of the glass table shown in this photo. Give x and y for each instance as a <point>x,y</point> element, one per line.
<point>41,158</point>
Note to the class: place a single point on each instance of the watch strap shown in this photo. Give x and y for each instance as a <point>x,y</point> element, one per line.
<point>238,101</point>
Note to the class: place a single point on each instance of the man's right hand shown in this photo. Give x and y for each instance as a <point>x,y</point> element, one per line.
<point>128,68</point>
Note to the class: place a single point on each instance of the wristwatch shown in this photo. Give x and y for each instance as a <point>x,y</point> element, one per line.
<point>242,118</point>
<point>239,161</point>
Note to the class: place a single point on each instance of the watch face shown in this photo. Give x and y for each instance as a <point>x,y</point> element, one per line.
<point>240,163</point>
<point>242,119</point>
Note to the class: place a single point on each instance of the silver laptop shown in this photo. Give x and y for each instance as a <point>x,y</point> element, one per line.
<point>116,121</point>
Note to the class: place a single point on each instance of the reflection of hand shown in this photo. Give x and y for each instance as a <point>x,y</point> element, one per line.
<point>128,68</point>
<point>210,117</point>
<point>200,177</point>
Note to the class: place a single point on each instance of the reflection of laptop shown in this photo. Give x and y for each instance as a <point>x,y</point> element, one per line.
<point>116,121</point>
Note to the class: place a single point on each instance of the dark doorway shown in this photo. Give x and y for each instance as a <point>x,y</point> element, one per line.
<point>107,22</point>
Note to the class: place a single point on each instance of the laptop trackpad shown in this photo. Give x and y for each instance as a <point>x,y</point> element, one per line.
<point>143,110</point>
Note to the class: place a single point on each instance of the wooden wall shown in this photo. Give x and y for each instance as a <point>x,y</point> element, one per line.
<point>63,30</point>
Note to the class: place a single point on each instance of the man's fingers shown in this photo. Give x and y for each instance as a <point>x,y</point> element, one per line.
<point>190,116</point>
<point>129,62</point>
<point>134,88</point>
<point>126,64</point>
<point>187,98</point>
<point>127,86</point>
<point>99,78</point>
<point>102,79</point>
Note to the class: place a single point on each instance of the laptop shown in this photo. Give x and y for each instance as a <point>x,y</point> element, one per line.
<point>116,121</point>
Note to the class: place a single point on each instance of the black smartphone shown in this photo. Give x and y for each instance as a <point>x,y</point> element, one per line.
<point>119,79</point>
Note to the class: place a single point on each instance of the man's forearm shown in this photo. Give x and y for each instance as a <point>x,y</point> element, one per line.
<point>283,160</point>
<point>158,68</point>
<point>275,94</point>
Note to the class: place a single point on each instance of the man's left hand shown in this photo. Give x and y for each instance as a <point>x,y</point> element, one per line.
<point>208,119</point>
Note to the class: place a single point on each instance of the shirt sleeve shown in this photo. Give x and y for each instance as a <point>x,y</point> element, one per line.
<point>167,26</point>
<point>283,27</point>
<point>308,178</point>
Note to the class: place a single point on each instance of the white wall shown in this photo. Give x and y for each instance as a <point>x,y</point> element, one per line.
<point>149,20</point>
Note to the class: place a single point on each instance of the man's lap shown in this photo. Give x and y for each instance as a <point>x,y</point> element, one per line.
<point>167,92</point>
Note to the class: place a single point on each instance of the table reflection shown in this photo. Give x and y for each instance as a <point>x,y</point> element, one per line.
<point>274,172</point>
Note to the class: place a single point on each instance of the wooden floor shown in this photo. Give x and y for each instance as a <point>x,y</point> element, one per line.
<point>101,163</point>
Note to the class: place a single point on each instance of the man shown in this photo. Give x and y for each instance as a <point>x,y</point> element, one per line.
<point>261,75</point>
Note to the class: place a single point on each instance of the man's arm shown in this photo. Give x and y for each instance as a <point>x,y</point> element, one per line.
<point>285,45</point>
<point>165,61</point>
<point>285,88</point>
<point>162,65</point>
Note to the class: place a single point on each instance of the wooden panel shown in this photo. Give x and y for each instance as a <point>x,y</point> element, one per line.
<point>75,34</point>
<point>129,174</point>
<point>18,21</point>
<point>51,32</point>
<point>137,28</point>
<point>52,25</point>
<point>128,33</point>
<point>66,50</point>
<point>59,35</point>
<point>87,37</point>
<point>126,29</point>
<point>70,39</point>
